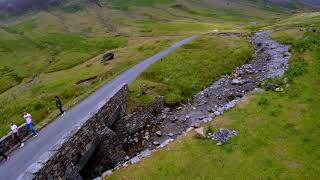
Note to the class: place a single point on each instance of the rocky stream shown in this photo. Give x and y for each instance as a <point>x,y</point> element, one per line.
<point>157,125</point>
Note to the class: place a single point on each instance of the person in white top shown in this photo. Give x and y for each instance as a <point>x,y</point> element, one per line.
<point>15,134</point>
<point>28,119</point>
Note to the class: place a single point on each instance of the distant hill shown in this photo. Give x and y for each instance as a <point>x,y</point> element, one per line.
<point>27,5</point>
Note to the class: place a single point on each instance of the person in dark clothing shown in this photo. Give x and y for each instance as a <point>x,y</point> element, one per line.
<point>15,134</point>
<point>59,105</point>
<point>3,155</point>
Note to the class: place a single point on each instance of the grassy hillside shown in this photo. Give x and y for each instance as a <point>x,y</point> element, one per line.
<point>44,53</point>
<point>279,131</point>
<point>190,69</point>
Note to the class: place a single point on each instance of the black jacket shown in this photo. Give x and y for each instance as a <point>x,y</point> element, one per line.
<point>58,103</point>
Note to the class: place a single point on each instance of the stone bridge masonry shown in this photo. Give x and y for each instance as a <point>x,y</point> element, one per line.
<point>92,134</point>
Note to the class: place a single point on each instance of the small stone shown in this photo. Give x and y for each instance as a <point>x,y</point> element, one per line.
<point>107,173</point>
<point>196,125</point>
<point>135,160</point>
<point>200,132</point>
<point>156,143</point>
<point>286,54</point>
<point>258,90</point>
<point>136,139</point>
<point>146,153</point>
<point>170,134</point>
<point>159,133</point>
<point>189,129</point>
<point>220,110</point>
<point>217,113</point>
<point>165,143</point>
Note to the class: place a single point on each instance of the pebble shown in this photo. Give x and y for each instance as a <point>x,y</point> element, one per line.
<point>135,160</point>
<point>107,173</point>
<point>156,143</point>
<point>159,133</point>
<point>217,113</point>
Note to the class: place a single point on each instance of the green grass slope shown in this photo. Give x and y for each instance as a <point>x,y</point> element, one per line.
<point>44,53</point>
<point>278,131</point>
<point>190,69</point>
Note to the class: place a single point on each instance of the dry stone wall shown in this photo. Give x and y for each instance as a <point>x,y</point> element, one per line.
<point>7,143</point>
<point>73,151</point>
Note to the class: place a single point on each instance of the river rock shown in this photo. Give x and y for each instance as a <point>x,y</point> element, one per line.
<point>156,143</point>
<point>107,173</point>
<point>170,134</point>
<point>200,132</point>
<point>159,133</point>
<point>217,113</point>
<point>135,160</point>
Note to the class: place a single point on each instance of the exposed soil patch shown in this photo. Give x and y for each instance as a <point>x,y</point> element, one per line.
<point>86,81</point>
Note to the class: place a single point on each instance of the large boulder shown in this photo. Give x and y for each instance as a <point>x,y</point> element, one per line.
<point>107,57</point>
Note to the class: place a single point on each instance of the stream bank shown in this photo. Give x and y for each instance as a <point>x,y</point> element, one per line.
<point>156,126</point>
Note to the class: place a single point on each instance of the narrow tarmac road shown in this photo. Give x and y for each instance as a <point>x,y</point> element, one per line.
<point>48,136</point>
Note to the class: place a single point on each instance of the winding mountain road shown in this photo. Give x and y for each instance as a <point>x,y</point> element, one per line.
<point>48,136</point>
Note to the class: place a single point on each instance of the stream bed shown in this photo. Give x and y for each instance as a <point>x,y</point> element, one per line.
<point>159,129</point>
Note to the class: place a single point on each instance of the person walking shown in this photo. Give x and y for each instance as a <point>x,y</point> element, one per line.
<point>15,134</point>
<point>6,157</point>
<point>59,105</point>
<point>28,119</point>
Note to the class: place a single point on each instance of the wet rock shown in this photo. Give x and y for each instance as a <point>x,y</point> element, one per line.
<point>135,160</point>
<point>136,139</point>
<point>107,173</point>
<point>165,143</point>
<point>156,143</point>
<point>217,113</point>
<point>170,134</point>
<point>238,82</point>
<point>189,129</point>
<point>146,153</point>
<point>285,54</point>
<point>279,89</point>
<point>258,90</point>
<point>270,86</point>
<point>312,29</point>
<point>196,125</point>
<point>159,133</point>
